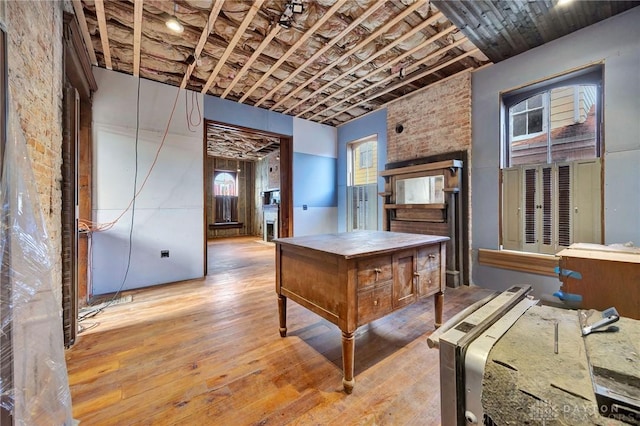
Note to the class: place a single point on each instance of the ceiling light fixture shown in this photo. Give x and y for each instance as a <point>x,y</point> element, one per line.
<point>297,6</point>
<point>173,24</point>
<point>564,2</point>
<point>294,6</point>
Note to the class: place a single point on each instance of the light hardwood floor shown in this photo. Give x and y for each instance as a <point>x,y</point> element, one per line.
<point>208,352</point>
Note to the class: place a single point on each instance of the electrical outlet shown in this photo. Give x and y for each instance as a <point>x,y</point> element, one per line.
<point>304,207</point>
<point>164,253</point>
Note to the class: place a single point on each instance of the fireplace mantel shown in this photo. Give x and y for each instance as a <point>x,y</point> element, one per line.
<point>425,199</point>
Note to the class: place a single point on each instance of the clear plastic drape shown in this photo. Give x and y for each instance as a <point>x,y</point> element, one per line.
<point>33,384</point>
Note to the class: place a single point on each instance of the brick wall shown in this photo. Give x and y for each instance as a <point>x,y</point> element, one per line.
<point>436,120</point>
<point>35,80</point>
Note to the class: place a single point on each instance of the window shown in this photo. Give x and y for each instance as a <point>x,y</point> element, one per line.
<point>362,184</point>
<point>224,183</point>
<point>551,184</point>
<point>225,192</point>
<point>364,152</point>
<point>526,117</point>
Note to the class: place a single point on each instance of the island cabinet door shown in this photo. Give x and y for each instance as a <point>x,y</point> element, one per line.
<point>428,270</point>
<point>404,282</point>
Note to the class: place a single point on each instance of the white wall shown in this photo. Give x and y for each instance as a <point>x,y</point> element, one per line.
<point>169,210</point>
<point>614,42</point>
<point>315,156</point>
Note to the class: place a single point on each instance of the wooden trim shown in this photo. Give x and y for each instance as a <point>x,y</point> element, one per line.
<point>532,263</point>
<point>415,206</point>
<point>82,21</point>
<point>77,65</point>
<point>422,168</point>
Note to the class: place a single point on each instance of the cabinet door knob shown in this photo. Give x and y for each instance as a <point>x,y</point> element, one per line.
<point>416,274</point>
<point>377,270</point>
<point>431,256</point>
<point>375,302</point>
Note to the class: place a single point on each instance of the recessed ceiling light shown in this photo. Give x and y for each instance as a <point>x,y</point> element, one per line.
<point>564,2</point>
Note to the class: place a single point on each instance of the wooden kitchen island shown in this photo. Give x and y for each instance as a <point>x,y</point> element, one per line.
<point>353,278</point>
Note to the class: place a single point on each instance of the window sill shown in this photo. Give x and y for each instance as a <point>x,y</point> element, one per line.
<point>533,263</point>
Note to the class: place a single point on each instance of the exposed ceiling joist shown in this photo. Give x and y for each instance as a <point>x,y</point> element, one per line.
<point>213,15</point>
<point>137,34</point>
<point>82,21</point>
<point>326,47</point>
<point>310,32</point>
<point>358,47</point>
<point>388,67</point>
<point>294,70</point>
<point>410,69</point>
<point>232,44</point>
<point>104,37</point>
<point>409,80</point>
<point>256,54</point>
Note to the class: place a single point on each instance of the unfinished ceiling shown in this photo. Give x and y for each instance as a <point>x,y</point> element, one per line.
<point>229,142</point>
<point>338,60</point>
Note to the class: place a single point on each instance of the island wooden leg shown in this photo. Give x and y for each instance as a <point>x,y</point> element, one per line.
<point>348,351</point>
<point>438,299</point>
<point>282,311</point>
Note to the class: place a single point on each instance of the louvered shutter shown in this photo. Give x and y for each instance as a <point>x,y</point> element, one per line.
<point>530,198</point>
<point>587,219</point>
<point>511,207</point>
<point>546,238</point>
<point>563,219</point>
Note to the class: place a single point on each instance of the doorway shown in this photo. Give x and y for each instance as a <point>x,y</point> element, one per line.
<point>254,170</point>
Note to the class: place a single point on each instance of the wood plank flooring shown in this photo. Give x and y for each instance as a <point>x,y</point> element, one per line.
<point>208,352</point>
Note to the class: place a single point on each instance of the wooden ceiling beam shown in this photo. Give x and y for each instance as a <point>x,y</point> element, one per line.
<point>104,37</point>
<point>399,85</point>
<point>84,29</point>
<point>255,7</point>
<point>411,68</point>
<point>326,47</point>
<point>386,66</point>
<point>328,14</point>
<point>423,88</point>
<point>213,15</point>
<point>137,35</point>
<point>252,59</point>
<point>383,29</point>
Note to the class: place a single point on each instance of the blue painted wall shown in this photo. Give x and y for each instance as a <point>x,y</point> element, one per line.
<point>371,124</point>
<point>315,184</point>
<point>231,112</point>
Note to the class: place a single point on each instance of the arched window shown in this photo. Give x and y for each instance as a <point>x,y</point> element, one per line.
<point>224,183</point>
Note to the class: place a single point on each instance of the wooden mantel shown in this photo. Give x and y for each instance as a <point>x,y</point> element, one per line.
<point>442,217</point>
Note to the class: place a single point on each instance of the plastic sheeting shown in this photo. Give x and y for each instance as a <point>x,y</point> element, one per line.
<point>33,386</point>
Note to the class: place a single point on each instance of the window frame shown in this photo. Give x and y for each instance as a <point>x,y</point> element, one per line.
<point>591,75</point>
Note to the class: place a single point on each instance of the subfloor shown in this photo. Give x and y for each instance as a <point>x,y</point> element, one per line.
<point>208,352</point>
